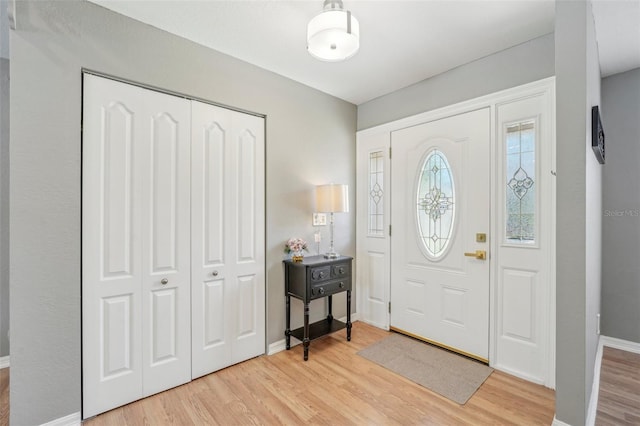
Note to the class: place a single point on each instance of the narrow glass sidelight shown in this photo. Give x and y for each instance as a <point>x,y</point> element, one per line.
<point>435,207</point>
<point>376,194</point>
<point>520,197</point>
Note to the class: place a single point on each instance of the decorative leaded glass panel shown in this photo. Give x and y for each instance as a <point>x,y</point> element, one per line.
<point>376,193</point>
<point>435,203</point>
<point>521,178</point>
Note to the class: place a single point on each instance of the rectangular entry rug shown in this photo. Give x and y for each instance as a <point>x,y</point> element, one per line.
<point>452,376</point>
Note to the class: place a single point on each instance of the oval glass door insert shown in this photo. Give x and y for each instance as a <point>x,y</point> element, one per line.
<point>435,210</point>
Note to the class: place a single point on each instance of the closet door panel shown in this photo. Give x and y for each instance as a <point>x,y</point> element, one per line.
<point>166,243</point>
<point>135,248</point>
<point>248,223</point>
<point>245,192</point>
<point>213,305</point>
<point>165,183</point>
<point>227,237</point>
<point>210,210</point>
<point>213,193</point>
<point>117,189</point>
<point>111,248</point>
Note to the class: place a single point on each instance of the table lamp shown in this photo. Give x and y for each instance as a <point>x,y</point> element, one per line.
<point>332,198</point>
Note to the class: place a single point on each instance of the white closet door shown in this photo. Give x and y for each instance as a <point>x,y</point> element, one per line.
<point>166,235</point>
<point>228,278</point>
<point>247,240</point>
<point>135,228</point>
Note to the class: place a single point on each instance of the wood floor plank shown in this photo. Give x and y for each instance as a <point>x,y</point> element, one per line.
<point>619,392</point>
<point>4,396</point>
<point>334,387</point>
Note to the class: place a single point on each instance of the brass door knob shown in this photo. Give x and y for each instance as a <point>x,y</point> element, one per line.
<point>478,254</point>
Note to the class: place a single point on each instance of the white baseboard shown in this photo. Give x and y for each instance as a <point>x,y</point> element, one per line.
<point>281,345</point>
<point>70,420</point>
<point>557,422</point>
<point>624,345</point>
<point>276,347</point>
<point>519,374</point>
<point>592,409</point>
<point>354,317</point>
<point>4,362</point>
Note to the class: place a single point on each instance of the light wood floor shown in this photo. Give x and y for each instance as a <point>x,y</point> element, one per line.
<point>4,396</point>
<point>335,387</point>
<point>619,394</point>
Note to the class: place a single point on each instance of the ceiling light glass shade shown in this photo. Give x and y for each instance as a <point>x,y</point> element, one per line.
<point>333,35</point>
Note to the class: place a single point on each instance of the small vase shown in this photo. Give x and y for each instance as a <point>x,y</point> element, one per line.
<point>297,256</point>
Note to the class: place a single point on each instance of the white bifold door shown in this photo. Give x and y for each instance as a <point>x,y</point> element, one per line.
<point>172,241</point>
<point>228,237</point>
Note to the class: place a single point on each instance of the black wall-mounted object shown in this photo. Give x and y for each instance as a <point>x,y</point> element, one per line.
<point>597,135</point>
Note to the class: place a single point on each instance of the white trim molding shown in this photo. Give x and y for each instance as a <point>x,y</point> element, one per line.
<point>4,362</point>
<point>592,409</point>
<point>73,419</point>
<point>624,345</point>
<point>557,422</point>
<point>276,347</point>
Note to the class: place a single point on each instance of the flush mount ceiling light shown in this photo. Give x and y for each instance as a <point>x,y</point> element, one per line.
<point>334,34</point>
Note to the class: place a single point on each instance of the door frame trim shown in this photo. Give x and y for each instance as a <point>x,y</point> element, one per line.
<point>544,86</point>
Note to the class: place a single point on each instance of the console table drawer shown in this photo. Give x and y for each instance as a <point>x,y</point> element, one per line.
<point>329,288</point>
<point>341,270</point>
<point>319,274</point>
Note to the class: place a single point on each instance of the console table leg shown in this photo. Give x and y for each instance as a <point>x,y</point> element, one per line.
<point>306,340</point>
<point>348,315</point>
<point>287,331</point>
<point>330,316</point>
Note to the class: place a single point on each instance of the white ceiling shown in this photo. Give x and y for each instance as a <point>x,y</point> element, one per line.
<point>402,42</point>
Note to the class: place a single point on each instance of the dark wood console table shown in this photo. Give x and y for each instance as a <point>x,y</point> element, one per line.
<point>315,278</point>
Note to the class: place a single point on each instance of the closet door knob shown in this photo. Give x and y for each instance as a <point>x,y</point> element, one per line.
<point>214,273</point>
<point>164,281</point>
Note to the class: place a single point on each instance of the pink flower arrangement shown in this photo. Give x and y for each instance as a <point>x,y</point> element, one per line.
<point>295,245</point>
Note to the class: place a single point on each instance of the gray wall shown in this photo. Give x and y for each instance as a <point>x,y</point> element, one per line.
<point>310,140</point>
<point>579,198</point>
<point>4,207</point>
<point>621,229</point>
<point>512,67</point>
<point>593,211</point>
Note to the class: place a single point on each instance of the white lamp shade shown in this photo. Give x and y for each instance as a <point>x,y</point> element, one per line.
<point>333,35</point>
<point>332,198</point>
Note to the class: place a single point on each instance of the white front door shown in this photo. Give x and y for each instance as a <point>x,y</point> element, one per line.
<point>135,243</point>
<point>440,210</point>
<point>228,289</point>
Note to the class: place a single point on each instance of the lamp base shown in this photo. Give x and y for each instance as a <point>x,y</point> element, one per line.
<point>331,255</point>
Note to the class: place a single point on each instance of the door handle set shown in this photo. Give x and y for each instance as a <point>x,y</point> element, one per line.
<point>165,281</point>
<point>478,254</point>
